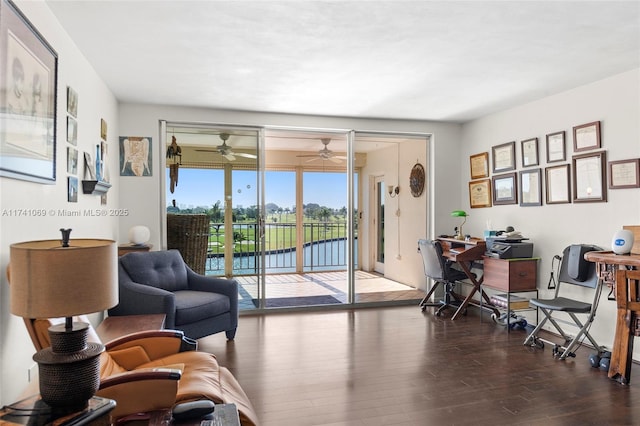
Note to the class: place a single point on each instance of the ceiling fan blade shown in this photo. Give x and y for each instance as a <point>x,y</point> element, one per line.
<point>242,154</point>
<point>229,156</point>
<point>206,150</point>
<point>307,155</point>
<point>315,158</point>
<point>335,160</point>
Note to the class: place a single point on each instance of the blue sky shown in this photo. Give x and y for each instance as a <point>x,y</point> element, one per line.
<point>199,187</point>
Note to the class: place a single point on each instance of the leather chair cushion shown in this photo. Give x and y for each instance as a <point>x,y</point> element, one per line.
<point>160,269</point>
<point>194,306</point>
<point>130,358</point>
<point>108,366</point>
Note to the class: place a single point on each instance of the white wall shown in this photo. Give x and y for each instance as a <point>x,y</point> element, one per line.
<point>95,101</point>
<point>615,102</point>
<point>143,196</point>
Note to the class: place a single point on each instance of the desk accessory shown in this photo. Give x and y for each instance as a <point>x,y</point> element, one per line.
<point>460,213</point>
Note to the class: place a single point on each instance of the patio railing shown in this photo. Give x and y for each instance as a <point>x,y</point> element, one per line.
<point>324,247</point>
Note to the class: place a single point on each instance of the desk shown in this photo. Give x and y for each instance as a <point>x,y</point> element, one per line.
<point>607,263</point>
<point>464,253</point>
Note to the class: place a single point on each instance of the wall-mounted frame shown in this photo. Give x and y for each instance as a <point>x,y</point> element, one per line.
<point>504,157</point>
<point>72,101</point>
<point>28,139</point>
<point>72,160</point>
<point>505,189</point>
<point>531,187</point>
<point>72,130</point>
<point>557,184</point>
<point>529,150</point>
<point>586,137</point>
<point>480,193</point>
<point>479,164</point>
<point>589,171</point>
<point>556,147</point>
<point>624,174</point>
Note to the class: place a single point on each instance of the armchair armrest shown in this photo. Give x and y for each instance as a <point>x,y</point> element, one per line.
<point>228,287</point>
<point>139,299</point>
<point>156,343</point>
<point>141,390</point>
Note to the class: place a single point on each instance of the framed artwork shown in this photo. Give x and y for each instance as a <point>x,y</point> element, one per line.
<point>28,82</point>
<point>103,129</point>
<point>72,160</point>
<point>505,190</point>
<point>72,130</point>
<point>72,102</point>
<point>589,171</point>
<point>557,184</point>
<point>479,165</point>
<point>504,157</point>
<point>480,193</point>
<point>531,188</point>
<point>529,149</point>
<point>135,156</point>
<point>72,189</point>
<point>624,174</point>
<point>556,147</point>
<point>89,167</point>
<point>586,137</point>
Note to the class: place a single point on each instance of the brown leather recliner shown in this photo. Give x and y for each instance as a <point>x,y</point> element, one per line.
<point>150,370</point>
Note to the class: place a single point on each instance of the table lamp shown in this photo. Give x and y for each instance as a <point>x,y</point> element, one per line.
<point>52,279</point>
<point>460,213</point>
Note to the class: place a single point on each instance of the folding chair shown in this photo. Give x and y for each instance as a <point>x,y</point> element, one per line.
<point>440,271</point>
<point>574,271</point>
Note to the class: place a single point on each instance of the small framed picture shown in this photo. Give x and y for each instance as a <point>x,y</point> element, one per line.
<point>72,102</point>
<point>586,137</point>
<point>504,157</point>
<point>531,188</point>
<point>103,129</point>
<point>504,189</point>
<point>72,130</point>
<point>72,160</point>
<point>72,189</point>
<point>529,149</point>
<point>589,172</point>
<point>480,193</point>
<point>557,184</point>
<point>479,165</point>
<point>555,147</point>
<point>624,174</point>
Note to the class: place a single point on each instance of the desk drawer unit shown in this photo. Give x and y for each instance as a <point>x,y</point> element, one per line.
<point>510,275</point>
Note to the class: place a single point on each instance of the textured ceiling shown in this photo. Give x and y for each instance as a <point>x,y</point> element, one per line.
<point>423,60</point>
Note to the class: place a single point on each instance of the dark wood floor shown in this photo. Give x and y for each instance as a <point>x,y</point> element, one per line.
<point>398,366</point>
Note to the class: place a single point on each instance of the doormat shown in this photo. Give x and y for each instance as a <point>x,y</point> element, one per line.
<point>283,302</point>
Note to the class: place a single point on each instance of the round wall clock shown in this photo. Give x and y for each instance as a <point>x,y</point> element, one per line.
<point>416,180</point>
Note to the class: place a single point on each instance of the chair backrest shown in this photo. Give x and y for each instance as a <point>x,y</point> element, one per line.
<point>161,269</point>
<point>434,264</point>
<point>574,269</point>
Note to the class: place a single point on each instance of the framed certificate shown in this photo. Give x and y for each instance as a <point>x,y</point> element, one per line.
<point>624,174</point>
<point>480,193</point>
<point>504,157</point>
<point>555,147</point>
<point>479,165</point>
<point>529,152</point>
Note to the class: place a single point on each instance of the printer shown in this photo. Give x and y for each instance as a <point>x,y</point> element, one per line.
<point>508,248</point>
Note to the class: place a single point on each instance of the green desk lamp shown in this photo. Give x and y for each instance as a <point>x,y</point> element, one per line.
<point>460,213</point>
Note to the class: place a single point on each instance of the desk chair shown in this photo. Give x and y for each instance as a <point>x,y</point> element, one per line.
<point>574,271</point>
<point>441,272</point>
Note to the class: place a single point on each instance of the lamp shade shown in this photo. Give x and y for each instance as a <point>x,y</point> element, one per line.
<point>50,281</point>
<point>459,213</point>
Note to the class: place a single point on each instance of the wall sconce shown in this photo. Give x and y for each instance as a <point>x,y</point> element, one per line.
<point>393,191</point>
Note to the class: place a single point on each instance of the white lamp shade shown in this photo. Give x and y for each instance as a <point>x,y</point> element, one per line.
<point>139,235</point>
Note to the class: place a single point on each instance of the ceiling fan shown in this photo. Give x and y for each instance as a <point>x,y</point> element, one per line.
<point>325,153</point>
<point>226,151</point>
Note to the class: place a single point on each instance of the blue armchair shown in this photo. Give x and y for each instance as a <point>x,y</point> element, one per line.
<point>160,282</point>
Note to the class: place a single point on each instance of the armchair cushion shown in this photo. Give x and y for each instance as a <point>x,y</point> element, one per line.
<point>163,270</point>
<point>194,306</point>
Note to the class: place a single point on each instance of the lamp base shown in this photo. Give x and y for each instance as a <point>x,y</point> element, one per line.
<point>70,369</point>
